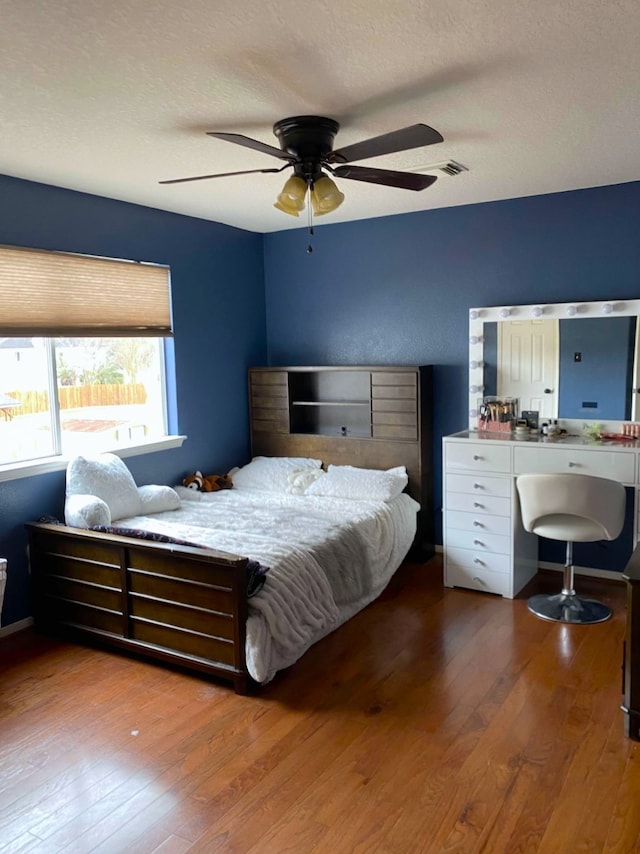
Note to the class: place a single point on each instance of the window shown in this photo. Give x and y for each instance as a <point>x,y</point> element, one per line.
<point>81,354</point>
<point>108,395</point>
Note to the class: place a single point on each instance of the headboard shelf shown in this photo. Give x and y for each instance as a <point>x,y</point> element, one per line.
<point>369,416</point>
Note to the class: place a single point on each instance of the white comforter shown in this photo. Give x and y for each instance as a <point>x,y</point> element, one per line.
<point>328,558</point>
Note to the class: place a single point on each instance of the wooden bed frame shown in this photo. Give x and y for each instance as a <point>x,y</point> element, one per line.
<point>180,605</point>
<point>188,606</point>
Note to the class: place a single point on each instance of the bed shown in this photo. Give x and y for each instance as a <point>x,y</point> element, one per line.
<point>172,581</point>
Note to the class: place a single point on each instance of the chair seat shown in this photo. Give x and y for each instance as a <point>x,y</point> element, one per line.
<point>574,508</point>
<point>562,526</point>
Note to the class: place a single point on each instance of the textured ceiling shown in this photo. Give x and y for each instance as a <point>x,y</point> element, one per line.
<point>111,96</point>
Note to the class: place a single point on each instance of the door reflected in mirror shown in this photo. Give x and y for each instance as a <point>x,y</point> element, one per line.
<point>575,367</point>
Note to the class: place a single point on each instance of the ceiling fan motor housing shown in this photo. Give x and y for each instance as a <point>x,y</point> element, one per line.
<point>310,140</point>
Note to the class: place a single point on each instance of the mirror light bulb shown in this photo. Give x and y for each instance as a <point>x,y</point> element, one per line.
<point>607,308</point>
<point>505,312</point>
<point>474,389</point>
<point>571,310</point>
<point>473,413</point>
<point>474,314</point>
<point>537,311</point>
<point>474,339</point>
<point>473,364</point>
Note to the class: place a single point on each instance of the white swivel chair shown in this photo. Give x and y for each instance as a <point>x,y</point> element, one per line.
<point>576,508</point>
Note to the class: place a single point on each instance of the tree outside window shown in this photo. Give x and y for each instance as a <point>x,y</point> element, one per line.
<point>109,394</point>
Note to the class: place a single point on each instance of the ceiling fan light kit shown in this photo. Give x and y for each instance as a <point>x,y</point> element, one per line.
<point>306,143</point>
<point>291,198</point>
<point>325,196</point>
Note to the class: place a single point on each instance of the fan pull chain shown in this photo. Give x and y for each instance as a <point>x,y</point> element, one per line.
<point>310,220</point>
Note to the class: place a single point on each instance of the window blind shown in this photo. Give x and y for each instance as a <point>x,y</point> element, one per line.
<point>57,294</point>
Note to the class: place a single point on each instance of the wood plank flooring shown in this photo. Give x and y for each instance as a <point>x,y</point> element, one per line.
<point>435,721</point>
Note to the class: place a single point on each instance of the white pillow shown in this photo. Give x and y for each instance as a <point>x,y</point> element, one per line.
<point>300,479</point>
<point>156,499</point>
<point>186,494</point>
<point>360,484</point>
<point>271,474</point>
<point>106,477</point>
<point>85,511</point>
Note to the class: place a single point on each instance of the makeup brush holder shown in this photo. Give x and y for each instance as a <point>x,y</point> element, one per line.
<point>497,414</point>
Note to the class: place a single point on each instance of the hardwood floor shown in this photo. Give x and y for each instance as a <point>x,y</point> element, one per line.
<point>435,721</point>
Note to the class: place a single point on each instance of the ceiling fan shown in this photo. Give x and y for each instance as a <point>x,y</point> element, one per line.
<point>306,144</point>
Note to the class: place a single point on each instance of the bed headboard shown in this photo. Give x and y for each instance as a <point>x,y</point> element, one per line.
<point>365,416</point>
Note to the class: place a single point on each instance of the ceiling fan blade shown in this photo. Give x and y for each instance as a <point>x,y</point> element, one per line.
<point>413,136</point>
<point>402,180</point>
<point>255,144</point>
<point>221,175</point>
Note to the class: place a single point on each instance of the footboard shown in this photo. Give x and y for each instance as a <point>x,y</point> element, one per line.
<point>181,605</point>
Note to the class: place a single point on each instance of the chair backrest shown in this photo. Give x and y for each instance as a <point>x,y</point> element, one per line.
<point>566,497</point>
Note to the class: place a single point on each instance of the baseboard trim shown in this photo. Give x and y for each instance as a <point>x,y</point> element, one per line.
<point>19,626</point>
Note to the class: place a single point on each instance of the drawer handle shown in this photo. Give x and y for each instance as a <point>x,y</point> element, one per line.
<point>478,486</point>
<point>478,561</point>
<point>574,465</point>
<point>477,524</point>
<point>478,505</point>
<point>477,457</point>
<point>479,580</point>
<point>478,543</point>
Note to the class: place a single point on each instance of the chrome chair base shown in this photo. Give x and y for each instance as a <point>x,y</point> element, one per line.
<point>568,608</point>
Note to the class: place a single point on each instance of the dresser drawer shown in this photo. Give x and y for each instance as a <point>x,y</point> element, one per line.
<point>478,579</point>
<point>394,425</point>
<point>394,378</point>
<point>405,419</point>
<point>389,392</point>
<point>478,541</point>
<point>480,523</point>
<point>269,378</point>
<point>270,421</point>
<point>389,431</point>
<point>476,560</point>
<point>408,404</point>
<point>478,456</point>
<point>479,485</point>
<point>270,397</point>
<point>479,503</point>
<point>610,464</point>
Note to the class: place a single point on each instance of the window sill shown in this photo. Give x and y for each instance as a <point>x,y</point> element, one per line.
<point>13,471</point>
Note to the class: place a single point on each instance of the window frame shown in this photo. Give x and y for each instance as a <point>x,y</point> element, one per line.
<point>43,465</point>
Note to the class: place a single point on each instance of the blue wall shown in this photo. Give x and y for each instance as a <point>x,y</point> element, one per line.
<point>217,279</point>
<point>394,290</point>
<point>397,290</point>
<point>596,387</point>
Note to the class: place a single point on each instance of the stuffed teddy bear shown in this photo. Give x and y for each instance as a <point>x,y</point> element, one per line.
<point>207,482</point>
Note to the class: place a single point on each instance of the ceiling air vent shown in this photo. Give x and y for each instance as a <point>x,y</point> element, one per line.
<point>449,167</point>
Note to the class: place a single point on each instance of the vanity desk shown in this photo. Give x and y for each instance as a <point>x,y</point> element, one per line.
<point>485,546</point>
<point>577,362</point>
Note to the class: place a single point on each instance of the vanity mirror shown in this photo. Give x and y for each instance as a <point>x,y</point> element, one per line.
<point>577,362</point>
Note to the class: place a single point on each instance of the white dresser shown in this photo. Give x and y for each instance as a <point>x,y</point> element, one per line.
<point>485,546</point>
